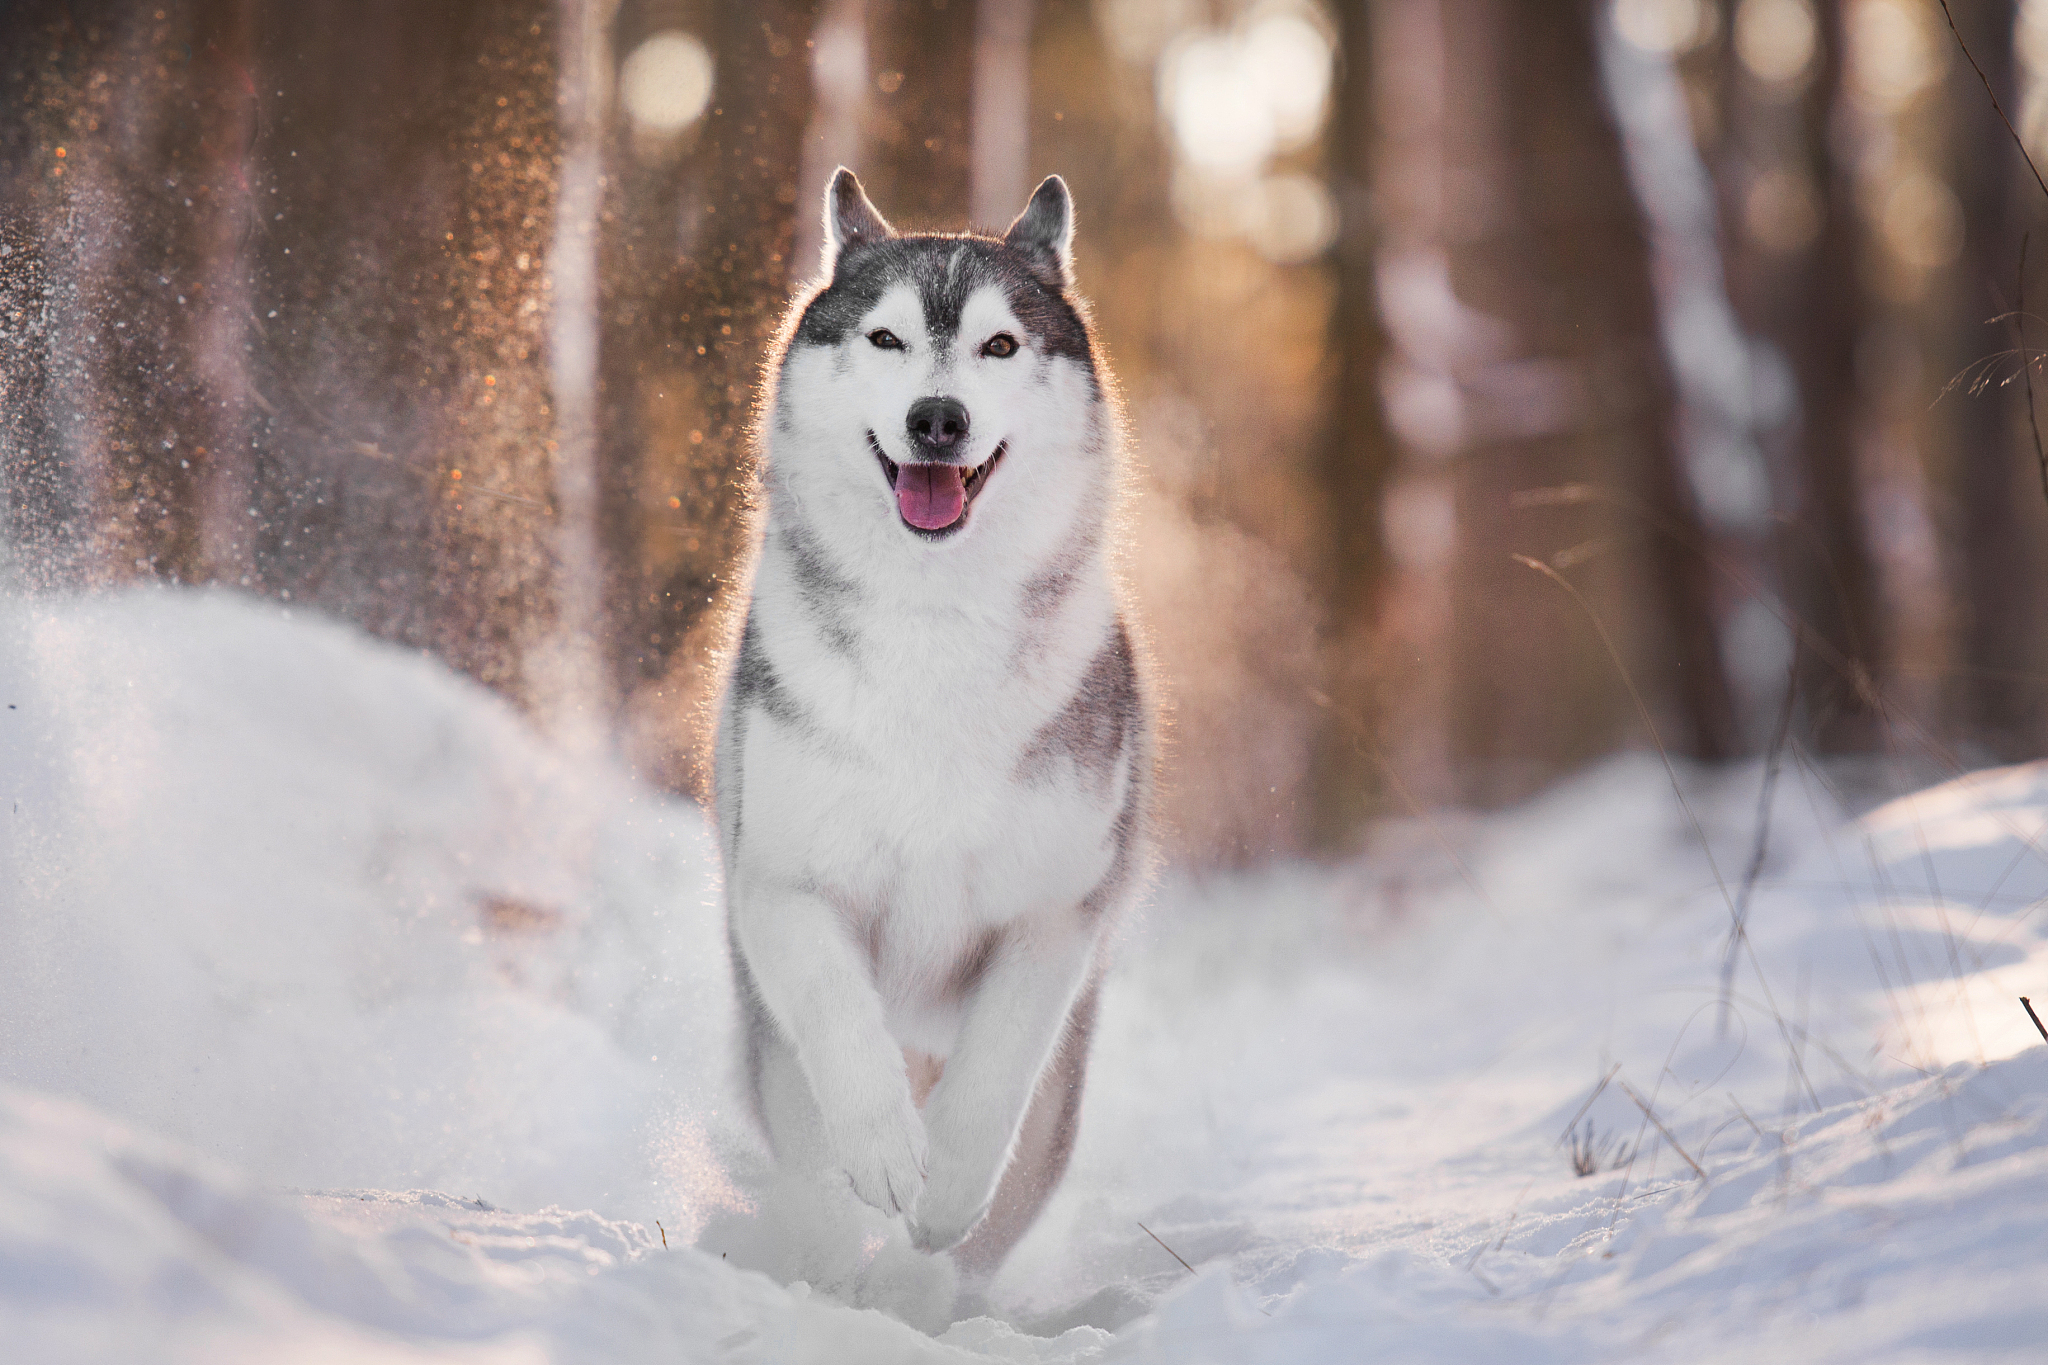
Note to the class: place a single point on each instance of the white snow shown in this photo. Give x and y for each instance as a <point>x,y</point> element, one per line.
<point>343,1018</point>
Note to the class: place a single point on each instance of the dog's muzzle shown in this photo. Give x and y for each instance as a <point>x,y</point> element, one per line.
<point>933,496</point>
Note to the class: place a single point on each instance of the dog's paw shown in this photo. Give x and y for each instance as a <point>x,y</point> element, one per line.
<point>950,1209</point>
<point>945,1230</point>
<point>883,1155</point>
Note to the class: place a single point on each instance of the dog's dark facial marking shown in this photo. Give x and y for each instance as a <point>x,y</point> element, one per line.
<point>945,272</point>
<point>1032,263</point>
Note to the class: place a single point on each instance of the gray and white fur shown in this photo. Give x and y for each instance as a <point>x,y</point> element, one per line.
<point>934,754</point>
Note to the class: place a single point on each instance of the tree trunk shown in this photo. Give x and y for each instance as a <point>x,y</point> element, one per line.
<point>1581,396</point>
<point>51,503</point>
<point>146,219</point>
<point>1829,569</point>
<point>702,266</point>
<point>2001,531</point>
<point>1357,455</point>
<point>402,468</point>
<point>920,135</point>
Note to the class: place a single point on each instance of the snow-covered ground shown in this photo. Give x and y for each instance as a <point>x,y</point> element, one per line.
<point>340,1018</point>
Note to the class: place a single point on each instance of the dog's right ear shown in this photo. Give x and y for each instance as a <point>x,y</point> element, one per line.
<point>850,219</point>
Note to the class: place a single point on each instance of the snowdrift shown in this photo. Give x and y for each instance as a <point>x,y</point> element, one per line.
<point>343,1018</point>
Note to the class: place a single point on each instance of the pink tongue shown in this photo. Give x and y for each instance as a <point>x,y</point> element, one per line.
<point>930,496</point>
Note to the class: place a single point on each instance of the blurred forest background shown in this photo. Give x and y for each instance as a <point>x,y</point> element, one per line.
<point>1488,361</point>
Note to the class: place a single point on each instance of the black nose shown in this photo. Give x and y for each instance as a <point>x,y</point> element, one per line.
<point>937,424</point>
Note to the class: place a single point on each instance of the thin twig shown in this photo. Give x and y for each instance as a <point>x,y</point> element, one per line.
<point>1502,1241</point>
<point>1190,1269</point>
<point>1849,669</point>
<point>1804,634</point>
<point>2017,140</point>
<point>2029,1006</point>
<point>664,1234</point>
<point>1169,1250</point>
<point>1651,1115</point>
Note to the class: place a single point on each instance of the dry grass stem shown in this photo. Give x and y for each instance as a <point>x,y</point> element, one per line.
<point>1651,1115</point>
<point>1597,1091</point>
<point>1592,1152</point>
<point>1760,846</point>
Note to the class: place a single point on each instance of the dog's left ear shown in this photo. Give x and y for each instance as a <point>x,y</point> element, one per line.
<point>1044,233</point>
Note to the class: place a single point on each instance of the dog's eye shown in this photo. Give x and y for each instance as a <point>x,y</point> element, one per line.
<point>1000,345</point>
<point>885,339</point>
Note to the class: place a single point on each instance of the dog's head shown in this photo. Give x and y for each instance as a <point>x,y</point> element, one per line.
<point>934,379</point>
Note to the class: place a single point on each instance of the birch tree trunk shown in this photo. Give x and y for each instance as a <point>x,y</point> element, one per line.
<point>1001,157</point>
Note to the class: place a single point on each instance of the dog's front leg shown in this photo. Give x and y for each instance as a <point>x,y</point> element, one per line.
<point>818,990</point>
<point>1012,1026</point>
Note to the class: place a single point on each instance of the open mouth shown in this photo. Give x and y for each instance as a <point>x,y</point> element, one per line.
<point>933,498</point>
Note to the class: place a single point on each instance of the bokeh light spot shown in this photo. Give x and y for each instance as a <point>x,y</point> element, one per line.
<point>1775,38</point>
<point>1221,119</point>
<point>1293,219</point>
<point>1138,30</point>
<point>1289,61</point>
<point>1893,54</point>
<point>1922,221</point>
<point>1782,211</point>
<point>666,83</point>
<point>1665,25</point>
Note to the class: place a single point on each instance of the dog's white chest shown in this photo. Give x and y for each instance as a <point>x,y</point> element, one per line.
<point>934,819</point>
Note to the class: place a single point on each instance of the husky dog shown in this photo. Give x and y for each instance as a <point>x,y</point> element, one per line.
<point>934,751</point>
